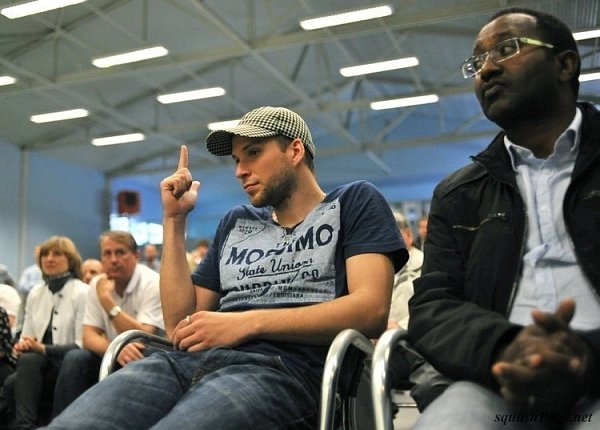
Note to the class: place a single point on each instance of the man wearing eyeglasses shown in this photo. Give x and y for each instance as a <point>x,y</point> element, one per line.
<point>508,304</point>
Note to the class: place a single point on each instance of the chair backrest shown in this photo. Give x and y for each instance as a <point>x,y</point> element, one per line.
<point>109,360</point>
<point>346,354</point>
<point>380,382</point>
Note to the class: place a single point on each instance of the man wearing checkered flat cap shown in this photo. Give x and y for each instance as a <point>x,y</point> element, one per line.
<point>252,325</point>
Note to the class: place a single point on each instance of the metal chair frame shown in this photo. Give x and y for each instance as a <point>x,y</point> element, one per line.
<point>109,360</point>
<point>335,409</point>
<point>380,383</point>
<point>346,409</point>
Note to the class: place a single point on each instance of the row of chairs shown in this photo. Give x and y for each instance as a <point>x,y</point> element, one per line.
<point>338,408</point>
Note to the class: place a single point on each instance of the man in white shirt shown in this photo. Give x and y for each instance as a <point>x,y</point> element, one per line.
<point>126,296</point>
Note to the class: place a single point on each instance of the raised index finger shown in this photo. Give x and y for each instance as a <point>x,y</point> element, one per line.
<point>183,158</point>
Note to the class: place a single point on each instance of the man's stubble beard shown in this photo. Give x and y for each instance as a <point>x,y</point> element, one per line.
<point>279,189</point>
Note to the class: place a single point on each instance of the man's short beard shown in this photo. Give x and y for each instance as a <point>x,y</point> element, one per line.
<point>279,189</point>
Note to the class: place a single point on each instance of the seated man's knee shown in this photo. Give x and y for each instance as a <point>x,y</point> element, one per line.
<point>78,359</point>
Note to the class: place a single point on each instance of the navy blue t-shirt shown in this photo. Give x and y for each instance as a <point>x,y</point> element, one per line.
<point>254,263</point>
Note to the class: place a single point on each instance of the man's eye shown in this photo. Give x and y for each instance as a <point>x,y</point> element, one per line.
<point>506,50</point>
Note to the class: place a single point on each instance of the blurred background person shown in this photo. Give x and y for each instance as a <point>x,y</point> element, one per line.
<point>10,300</point>
<point>90,268</point>
<point>5,277</point>
<point>151,258</point>
<point>403,280</point>
<point>10,306</point>
<point>7,358</point>
<point>422,232</point>
<point>53,325</point>
<point>200,250</point>
<point>30,276</point>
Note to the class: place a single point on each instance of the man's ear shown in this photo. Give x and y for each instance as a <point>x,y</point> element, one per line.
<point>298,150</point>
<point>568,63</point>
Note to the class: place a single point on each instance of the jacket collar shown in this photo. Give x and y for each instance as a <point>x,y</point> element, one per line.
<point>496,160</point>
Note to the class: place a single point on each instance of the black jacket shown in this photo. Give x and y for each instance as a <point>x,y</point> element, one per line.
<point>475,243</point>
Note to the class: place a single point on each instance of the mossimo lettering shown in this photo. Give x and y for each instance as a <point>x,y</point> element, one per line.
<point>322,236</point>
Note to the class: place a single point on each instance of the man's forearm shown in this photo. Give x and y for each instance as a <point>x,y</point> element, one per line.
<point>176,289</point>
<point>318,324</point>
<point>96,343</point>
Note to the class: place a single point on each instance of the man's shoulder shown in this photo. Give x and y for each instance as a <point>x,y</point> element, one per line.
<point>463,176</point>
<point>8,291</point>
<point>79,286</point>
<point>245,211</point>
<point>358,190</point>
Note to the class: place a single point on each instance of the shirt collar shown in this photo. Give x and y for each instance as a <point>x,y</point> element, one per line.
<point>134,280</point>
<point>568,141</point>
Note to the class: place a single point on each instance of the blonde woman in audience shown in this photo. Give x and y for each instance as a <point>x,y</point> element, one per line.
<point>52,326</point>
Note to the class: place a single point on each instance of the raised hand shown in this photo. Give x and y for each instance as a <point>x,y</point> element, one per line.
<point>179,192</point>
<point>105,287</point>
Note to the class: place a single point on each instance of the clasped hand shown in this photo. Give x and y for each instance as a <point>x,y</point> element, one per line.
<point>27,344</point>
<point>544,367</point>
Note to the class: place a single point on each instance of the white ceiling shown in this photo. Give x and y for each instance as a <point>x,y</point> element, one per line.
<point>256,50</point>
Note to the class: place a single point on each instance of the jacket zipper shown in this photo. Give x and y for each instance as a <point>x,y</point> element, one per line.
<point>514,288</point>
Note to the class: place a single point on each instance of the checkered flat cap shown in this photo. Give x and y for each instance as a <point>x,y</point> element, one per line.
<point>264,121</point>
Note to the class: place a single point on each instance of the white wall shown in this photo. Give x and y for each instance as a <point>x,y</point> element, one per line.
<point>59,199</point>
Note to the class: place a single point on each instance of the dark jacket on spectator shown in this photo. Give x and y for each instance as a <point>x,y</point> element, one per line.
<point>473,257</point>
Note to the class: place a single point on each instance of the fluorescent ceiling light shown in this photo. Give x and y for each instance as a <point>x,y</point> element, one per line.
<point>382,66</point>
<point>220,125</point>
<point>115,140</point>
<point>7,80</point>
<point>59,116</point>
<point>589,34</point>
<point>130,57</point>
<point>346,17</point>
<point>404,102</point>
<point>190,95</point>
<point>592,76</point>
<point>33,7</point>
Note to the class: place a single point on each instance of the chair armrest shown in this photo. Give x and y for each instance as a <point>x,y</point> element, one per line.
<point>109,359</point>
<point>331,372</point>
<point>380,385</point>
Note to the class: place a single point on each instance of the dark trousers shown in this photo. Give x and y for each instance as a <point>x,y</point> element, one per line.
<point>30,389</point>
<point>79,371</point>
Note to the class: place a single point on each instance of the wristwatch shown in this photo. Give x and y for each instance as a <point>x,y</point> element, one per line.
<point>116,310</point>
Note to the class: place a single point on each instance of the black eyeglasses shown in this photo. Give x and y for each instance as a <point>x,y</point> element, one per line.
<point>498,53</point>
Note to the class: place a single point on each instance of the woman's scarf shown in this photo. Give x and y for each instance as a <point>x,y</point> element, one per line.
<point>56,282</point>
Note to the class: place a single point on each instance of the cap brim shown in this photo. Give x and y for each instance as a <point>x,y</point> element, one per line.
<point>219,141</point>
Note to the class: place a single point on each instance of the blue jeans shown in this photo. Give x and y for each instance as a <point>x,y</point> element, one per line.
<point>214,389</point>
<point>469,406</point>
